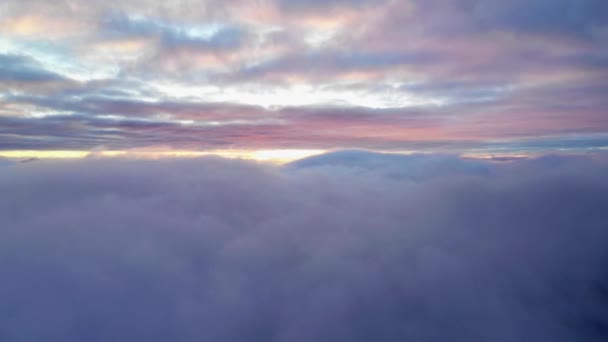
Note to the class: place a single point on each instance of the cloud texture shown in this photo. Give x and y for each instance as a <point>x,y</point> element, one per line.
<point>344,247</point>
<point>270,74</point>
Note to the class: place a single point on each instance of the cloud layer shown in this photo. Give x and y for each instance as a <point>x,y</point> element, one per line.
<point>446,72</point>
<point>343,247</point>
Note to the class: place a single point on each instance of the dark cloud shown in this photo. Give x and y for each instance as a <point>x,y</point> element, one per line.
<point>81,132</point>
<point>578,18</point>
<point>18,68</point>
<point>497,40</point>
<point>96,103</point>
<point>210,249</point>
<point>568,18</point>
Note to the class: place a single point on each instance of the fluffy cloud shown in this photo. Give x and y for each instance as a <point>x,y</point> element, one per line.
<point>344,247</point>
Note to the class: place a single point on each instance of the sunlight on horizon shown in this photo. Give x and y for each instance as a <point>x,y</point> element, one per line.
<point>272,156</point>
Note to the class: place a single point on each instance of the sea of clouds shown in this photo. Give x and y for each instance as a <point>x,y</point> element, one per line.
<point>349,246</point>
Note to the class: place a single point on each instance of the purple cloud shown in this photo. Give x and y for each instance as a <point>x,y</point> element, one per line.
<point>337,248</point>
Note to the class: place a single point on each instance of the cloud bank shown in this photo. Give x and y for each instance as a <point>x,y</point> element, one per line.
<point>271,74</point>
<point>344,247</point>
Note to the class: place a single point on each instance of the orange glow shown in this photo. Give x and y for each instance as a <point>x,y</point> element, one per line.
<point>122,46</point>
<point>36,25</point>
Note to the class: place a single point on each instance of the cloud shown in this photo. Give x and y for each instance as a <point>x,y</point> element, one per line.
<point>16,68</point>
<point>91,102</point>
<point>118,121</point>
<point>174,36</point>
<point>302,74</point>
<point>319,6</point>
<point>577,18</point>
<point>213,249</point>
<point>329,64</point>
<point>416,167</point>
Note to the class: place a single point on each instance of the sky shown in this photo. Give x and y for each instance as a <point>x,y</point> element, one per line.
<point>304,170</point>
<point>283,79</point>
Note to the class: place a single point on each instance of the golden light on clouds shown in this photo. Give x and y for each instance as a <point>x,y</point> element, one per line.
<point>272,156</point>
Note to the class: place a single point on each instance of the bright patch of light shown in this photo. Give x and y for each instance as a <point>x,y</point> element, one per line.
<point>318,38</point>
<point>284,155</point>
<point>295,95</point>
<point>39,113</point>
<point>77,71</point>
<point>53,59</point>
<point>112,117</point>
<point>263,121</point>
<point>271,156</point>
<point>186,122</point>
<point>23,154</point>
<point>203,31</point>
